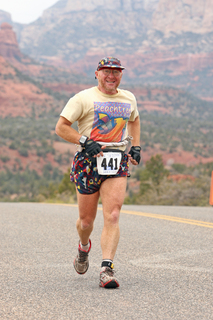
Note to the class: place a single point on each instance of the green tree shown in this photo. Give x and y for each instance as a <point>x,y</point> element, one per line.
<point>23,151</point>
<point>156,170</point>
<point>153,174</point>
<point>66,185</point>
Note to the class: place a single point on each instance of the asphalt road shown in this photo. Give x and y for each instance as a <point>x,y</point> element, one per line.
<point>164,264</point>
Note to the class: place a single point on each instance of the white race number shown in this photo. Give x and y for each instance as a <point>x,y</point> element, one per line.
<point>109,163</point>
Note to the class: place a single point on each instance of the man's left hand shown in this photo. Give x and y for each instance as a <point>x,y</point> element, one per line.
<point>135,154</point>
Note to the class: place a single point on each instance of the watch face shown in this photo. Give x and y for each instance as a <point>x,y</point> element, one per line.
<point>82,140</point>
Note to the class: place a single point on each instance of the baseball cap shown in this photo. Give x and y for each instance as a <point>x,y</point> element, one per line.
<point>109,62</point>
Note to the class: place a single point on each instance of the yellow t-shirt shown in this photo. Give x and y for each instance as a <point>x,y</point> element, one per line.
<point>100,116</point>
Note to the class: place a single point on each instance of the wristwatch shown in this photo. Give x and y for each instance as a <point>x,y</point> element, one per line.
<point>83,140</point>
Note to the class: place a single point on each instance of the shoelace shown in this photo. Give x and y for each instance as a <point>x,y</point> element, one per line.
<point>110,272</point>
<point>82,256</point>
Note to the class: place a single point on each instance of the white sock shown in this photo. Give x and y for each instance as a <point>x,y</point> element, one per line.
<point>84,247</point>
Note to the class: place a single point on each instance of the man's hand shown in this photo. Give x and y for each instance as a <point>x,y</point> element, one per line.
<point>92,148</point>
<point>135,155</point>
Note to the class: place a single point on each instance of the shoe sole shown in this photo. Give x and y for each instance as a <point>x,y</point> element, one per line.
<point>109,285</point>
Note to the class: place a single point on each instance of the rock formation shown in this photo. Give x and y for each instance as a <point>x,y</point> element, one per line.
<point>181,16</point>
<point>159,41</point>
<point>9,47</point>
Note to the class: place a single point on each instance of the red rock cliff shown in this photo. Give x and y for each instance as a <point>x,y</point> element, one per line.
<point>8,43</point>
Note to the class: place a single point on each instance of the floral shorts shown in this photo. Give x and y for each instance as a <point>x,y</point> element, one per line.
<point>85,175</point>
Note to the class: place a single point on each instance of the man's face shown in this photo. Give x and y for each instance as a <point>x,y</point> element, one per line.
<point>108,80</point>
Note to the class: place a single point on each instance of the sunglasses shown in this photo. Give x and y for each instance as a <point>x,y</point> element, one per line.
<point>107,72</point>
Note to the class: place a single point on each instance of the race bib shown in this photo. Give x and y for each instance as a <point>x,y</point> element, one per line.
<point>109,163</point>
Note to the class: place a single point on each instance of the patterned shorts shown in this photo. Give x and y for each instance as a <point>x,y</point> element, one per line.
<point>85,175</point>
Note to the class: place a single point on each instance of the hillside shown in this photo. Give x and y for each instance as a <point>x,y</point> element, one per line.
<point>10,51</point>
<point>21,95</point>
<point>159,41</point>
<point>174,123</point>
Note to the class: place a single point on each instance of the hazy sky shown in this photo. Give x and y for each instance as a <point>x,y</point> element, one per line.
<point>25,11</point>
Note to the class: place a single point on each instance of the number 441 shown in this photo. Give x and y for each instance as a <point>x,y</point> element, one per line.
<point>112,164</point>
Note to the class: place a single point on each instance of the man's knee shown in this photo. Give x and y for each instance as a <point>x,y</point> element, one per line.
<point>113,216</point>
<point>86,224</point>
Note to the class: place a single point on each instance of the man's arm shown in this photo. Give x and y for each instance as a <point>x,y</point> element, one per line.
<point>134,132</point>
<point>64,130</point>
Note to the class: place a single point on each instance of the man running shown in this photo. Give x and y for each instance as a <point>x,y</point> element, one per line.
<point>107,120</point>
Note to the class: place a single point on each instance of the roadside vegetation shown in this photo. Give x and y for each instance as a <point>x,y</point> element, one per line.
<point>180,186</point>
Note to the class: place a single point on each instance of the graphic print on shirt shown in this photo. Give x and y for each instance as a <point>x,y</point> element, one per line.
<point>110,120</point>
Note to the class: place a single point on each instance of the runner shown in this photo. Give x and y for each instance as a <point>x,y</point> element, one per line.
<point>107,120</point>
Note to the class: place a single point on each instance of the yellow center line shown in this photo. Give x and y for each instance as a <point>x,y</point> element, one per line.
<point>200,223</point>
<point>171,218</point>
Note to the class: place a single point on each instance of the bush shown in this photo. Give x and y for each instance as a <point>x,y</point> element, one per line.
<point>13,145</point>
<point>66,185</point>
<point>4,158</point>
<point>23,152</point>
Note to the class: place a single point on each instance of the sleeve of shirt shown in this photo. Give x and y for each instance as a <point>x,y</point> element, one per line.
<point>134,112</point>
<point>73,110</point>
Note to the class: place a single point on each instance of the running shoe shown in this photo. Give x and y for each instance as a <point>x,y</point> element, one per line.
<point>107,279</point>
<point>81,262</point>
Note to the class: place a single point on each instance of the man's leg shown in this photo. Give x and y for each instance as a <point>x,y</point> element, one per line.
<point>112,194</point>
<point>87,205</point>
<point>87,213</point>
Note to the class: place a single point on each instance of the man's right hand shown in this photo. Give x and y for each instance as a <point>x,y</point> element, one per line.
<point>92,148</point>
